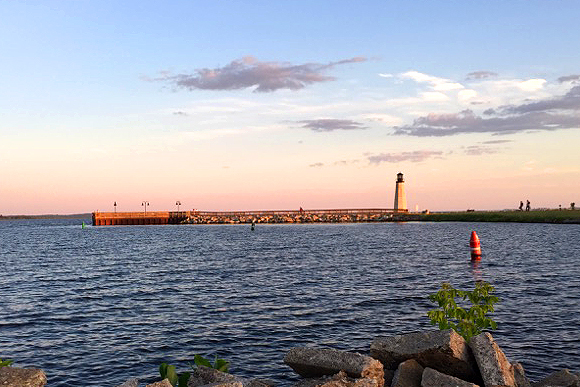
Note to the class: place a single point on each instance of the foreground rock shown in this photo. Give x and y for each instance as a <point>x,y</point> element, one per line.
<point>433,378</point>
<point>520,375</point>
<point>445,351</point>
<point>163,383</point>
<point>562,378</point>
<point>205,375</point>
<point>316,362</point>
<point>495,368</point>
<point>423,359</point>
<point>408,374</point>
<point>341,379</point>
<point>22,377</point>
<point>130,383</point>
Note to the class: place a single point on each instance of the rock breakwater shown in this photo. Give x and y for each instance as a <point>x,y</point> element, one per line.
<point>309,216</point>
<point>421,359</point>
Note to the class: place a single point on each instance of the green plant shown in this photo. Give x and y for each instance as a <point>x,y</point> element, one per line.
<point>168,372</point>
<point>6,363</point>
<point>219,364</point>
<point>467,322</point>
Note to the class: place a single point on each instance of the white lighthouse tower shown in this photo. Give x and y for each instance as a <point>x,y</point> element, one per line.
<point>400,197</point>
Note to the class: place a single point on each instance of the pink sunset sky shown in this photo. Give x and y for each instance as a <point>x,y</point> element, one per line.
<point>269,107</point>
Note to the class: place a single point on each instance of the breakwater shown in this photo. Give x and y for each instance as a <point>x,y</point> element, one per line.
<point>237,217</point>
<point>424,358</point>
<point>330,216</point>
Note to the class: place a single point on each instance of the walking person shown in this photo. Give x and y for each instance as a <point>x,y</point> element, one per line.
<point>521,208</point>
<point>527,205</point>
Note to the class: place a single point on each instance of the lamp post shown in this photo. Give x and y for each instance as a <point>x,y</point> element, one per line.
<point>115,206</point>
<point>178,203</point>
<point>145,204</point>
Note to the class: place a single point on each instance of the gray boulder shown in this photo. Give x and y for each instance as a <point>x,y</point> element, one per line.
<point>315,362</point>
<point>562,378</point>
<point>130,383</point>
<point>312,382</point>
<point>341,379</point>
<point>445,351</point>
<point>163,383</point>
<point>433,378</point>
<point>520,375</point>
<point>202,376</point>
<point>389,375</point>
<point>22,377</point>
<point>495,368</point>
<point>408,374</point>
<point>259,383</point>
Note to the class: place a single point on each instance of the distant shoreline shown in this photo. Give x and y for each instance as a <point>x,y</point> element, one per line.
<point>514,216</point>
<point>554,216</point>
<point>47,216</point>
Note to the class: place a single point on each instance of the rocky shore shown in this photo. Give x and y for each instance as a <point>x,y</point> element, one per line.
<point>421,359</point>
<point>297,217</point>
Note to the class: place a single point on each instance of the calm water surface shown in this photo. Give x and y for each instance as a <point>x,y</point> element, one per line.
<point>96,306</point>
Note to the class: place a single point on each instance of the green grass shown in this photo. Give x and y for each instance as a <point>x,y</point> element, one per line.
<point>539,216</point>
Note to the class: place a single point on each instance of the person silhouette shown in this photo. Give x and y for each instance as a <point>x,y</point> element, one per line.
<point>527,205</point>
<point>521,208</point>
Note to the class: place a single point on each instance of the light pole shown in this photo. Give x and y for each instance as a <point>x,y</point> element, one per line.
<point>115,205</point>
<point>145,204</point>
<point>178,203</point>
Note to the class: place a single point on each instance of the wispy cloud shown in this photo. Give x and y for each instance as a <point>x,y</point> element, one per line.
<point>481,75</point>
<point>569,101</point>
<point>436,83</point>
<point>413,156</point>
<point>496,142</point>
<point>249,72</point>
<point>478,150</point>
<point>330,124</point>
<point>569,78</point>
<point>316,165</point>
<point>562,112</point>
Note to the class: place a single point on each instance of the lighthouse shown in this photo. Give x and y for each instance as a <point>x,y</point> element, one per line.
<point>400,197</point>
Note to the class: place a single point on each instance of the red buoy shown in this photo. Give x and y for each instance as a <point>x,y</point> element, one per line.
<point>475,247</point>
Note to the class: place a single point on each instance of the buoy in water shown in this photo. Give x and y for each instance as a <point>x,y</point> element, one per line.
<point>475,247</point>
<point>253,226</point>
<point>83,226</point>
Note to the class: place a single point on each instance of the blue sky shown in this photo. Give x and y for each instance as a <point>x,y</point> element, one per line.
<point>275,105</point>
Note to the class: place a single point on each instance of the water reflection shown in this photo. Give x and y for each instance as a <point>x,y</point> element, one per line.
<point>476,270</point>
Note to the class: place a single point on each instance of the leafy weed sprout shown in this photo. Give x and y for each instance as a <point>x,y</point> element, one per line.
<point>468,322</point>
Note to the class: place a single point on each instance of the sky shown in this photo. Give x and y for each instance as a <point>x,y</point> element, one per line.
<point>276,105</point>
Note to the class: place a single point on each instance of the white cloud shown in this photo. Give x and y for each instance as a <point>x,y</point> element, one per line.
<point>436,83</point>
<point>434,96</point>
<point>386,75</point>
<point>532,84</point>
<point>447,86</point>
<point>466,95</point>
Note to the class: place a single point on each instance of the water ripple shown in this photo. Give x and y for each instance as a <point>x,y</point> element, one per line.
<point>96,306</point>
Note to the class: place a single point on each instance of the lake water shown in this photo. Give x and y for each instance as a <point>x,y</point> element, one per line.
<point>97,306</point>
